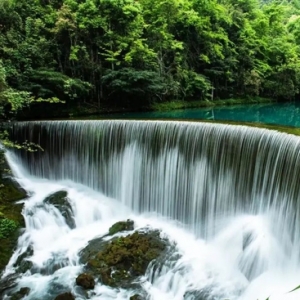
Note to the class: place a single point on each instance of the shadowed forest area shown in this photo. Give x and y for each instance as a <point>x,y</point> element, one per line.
<point>131,53</point>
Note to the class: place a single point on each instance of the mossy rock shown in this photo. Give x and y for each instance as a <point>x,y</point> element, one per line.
<point>86,281</point>
<point>99,244</point>
<point>117,263</point>
<point>93,247</point>
<point>10,193</point>
<point>8,239</point>
<point>61,202</point>
<point>121,226</point>
<point>10,214</point>
<point>65,296</point>
<point>8,242</point>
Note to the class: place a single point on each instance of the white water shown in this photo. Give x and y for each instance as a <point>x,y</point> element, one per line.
<point>246,253</point>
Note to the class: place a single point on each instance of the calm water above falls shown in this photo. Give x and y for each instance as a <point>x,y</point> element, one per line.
<point>287,114</point>
<point>226,195</point>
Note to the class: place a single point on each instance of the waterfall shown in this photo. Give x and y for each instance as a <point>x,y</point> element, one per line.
<point>226,191</point>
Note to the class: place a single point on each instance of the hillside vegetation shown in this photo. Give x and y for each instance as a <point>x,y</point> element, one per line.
<point>131,53</point>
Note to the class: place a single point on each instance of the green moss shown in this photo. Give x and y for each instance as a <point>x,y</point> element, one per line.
<point>121,226</point>
<point>133,253</point>
<point>125,258</point>
<point>7,228</point>
<point>7,246</point>
<point>11,218</point>
<point>9,209</point>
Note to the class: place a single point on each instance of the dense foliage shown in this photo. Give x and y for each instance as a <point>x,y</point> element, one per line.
<point>7,227</point>
<point>133,52</point>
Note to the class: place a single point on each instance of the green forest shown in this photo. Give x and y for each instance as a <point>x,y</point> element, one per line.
<point>131,53</point>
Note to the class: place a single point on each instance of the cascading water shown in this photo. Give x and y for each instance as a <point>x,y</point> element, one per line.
<point>226,195</point>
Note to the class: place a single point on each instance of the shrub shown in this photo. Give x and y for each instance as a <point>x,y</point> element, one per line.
<point>7,227</point>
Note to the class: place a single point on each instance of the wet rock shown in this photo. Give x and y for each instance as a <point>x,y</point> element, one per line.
<point>86,281</point>
<point>60,201</point>
<point>93,247</point>
<point>11,190</point>
<point>23,264</point>
<point>24,291</point>
<point>121,226</point>
<point>55,287</point>
<point>247,239</point>
<point>65,296</point>
<point>208,293</point>
<point>98,244</point>
<point>58,261</point>
<point>136,297</point>
<point>8,282</point>
<point>117,263</point>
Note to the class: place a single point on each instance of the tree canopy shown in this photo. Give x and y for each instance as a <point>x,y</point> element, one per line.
<point>133,52</point>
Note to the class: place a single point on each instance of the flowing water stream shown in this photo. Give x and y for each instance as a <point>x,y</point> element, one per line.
<point>226,195</point>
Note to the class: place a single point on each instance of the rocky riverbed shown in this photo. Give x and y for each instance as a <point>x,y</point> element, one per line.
<point>117,259</point>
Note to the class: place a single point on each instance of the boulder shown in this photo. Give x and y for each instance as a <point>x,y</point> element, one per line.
<point>50,266</point>
<point>24,291</point>
<point>121,226</point>
<point>7,283</point>
<point>97,244</point>
<point>86,281</point>
<point>22,264</point>
<point>118,262</point>
<point>93,247</point>
<point>61,202</point>
<point>136,297</point>
<point>65,296</point>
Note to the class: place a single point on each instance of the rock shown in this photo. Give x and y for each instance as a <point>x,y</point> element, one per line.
<point>93,247</point>
<point>8,282</point>
<point>86,281</point>
<point>23,264</point>
<point>11,189</point>
<point>24,291</point>
<point>52,265</point>
<point>117,263</point>
<point>65,296</point>
<point>136,297</point>
<point>121,226</point>
<point>56,287</point>
<point>10,192</point>
<point>204,294</point>
<point>60,201</point>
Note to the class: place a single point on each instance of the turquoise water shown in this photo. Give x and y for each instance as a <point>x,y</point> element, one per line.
<point>287,114</point>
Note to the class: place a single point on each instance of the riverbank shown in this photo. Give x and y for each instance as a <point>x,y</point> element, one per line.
<point>173,105</point>
<point>39,111</point>
<point>166,106</point>
<point>11,219</point>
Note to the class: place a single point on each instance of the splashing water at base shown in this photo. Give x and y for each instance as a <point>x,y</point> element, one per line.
<point>212,269</point>
<point>225,195</point>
